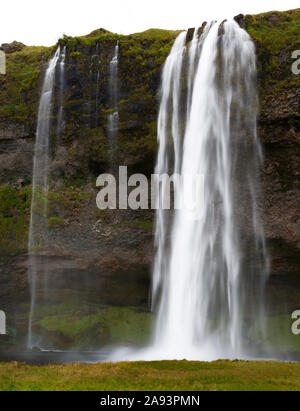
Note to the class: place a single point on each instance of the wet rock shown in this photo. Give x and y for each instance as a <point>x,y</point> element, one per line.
<point>241,20</point>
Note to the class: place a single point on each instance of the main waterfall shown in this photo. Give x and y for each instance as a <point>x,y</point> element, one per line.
<point>209,274</point>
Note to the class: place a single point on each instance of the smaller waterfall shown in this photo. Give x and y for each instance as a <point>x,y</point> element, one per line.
<point>113,118</point>
<point>38,218</point>
<point>90,95</point>
<point>192,57</point>
<point>60,119</point>
<point>97,84</point>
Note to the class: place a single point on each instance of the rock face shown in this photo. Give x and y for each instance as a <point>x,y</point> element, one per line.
<point>12,47</point>
<point>105,258</point>
<point>279,130</point>
<point>16,148</point>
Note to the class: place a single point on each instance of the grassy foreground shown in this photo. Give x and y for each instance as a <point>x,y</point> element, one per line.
<point>152,376</point>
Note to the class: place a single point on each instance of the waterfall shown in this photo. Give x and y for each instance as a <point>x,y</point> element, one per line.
<point>38,218</point>
<point>59,127</point>
<point>209,274</point>
<point>113,118</point>
<point>97,85</point>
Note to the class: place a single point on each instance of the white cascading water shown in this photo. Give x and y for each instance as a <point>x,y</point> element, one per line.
<point>97,85</point>
<point>209,274</point>
<point>62,62</point>
<point>38,217</point>
<point>113,118</point>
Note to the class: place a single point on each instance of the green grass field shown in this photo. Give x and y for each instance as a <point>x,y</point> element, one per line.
<point>152,376</point>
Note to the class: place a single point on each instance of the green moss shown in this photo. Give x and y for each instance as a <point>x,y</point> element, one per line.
<point>14,219</point>
<point>276,35</point>
<point>77,322</point>
<point>76,55</point>
<point>68,199</point>
<point>24,204</point>
<point>19,87</point>
<point>15,207</point>
<point>13,235</point>
<point>146,225</point>
<point>141,144</point>
<point>275,30</point>
<point>69,325</point>
<point>278,335</point>
<point>9,201</point>
<point>157,34</point>
<point>97,36</point>
<point>98,148</point>
<point>55,222</point>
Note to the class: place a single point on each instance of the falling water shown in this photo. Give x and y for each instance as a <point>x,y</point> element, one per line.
<point>59,127</point>
<point>192,56</point>
<point>113,118</point>
<point>209,273</point>
<point>97,84</point>
<point>38,218</point>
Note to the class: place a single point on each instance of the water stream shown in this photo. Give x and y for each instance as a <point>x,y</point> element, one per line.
<point>209,273</point>
<point>113,118</point>
<point>38,218</point>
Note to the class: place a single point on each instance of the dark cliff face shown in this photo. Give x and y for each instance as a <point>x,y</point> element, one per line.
<point>276,37</point>
<point>109,254</point>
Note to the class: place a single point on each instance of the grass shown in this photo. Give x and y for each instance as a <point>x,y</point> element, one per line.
<point>146,225</point>
<point>152,376</point>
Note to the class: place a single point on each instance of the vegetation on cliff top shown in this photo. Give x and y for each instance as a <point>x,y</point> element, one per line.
<point>19,91</point>
<point>19,88</point>
<point>275,30</point>
<point>276,35</point>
